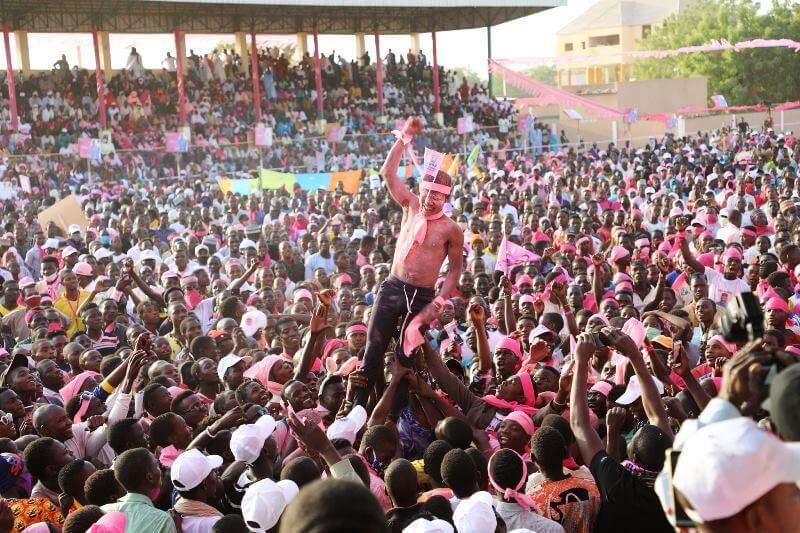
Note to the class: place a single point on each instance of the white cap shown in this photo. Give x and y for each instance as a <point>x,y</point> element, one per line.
<point>102,253</point>
<point>200,247</point>
<point>247,243</point>
<point>192,467</point>
<point>247,440</point>
<point>634,391</point>
<point>348,426</point>
<point>51,244</point>
<point>68,251</point>
<point>252,321</point>
<point>423,525</point>
<point>726,466</point>
<point>73,228</point>
<point>226,362</point>
<point>476,514</point>
<point>264,502</point>
<point>149,254</point>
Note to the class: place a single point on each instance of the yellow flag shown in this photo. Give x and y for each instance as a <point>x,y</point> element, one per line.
<point>446,161</point>
<point>454,165</point>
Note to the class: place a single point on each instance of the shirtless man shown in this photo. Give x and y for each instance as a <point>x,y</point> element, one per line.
<point>426,238</point>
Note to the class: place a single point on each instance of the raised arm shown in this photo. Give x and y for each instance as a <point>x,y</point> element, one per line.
<point>651,399</point>
<point>597,278</point>
<point>688,257</point>
<point>238,282</point>
<point>476,316</point>
<point>397,188</point>
<point>587,438</point>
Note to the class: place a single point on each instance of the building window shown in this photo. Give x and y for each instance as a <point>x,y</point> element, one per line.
<point>604,40</point>
<point>646,31</point>
<point>583,45</point>
<point>568,47</point>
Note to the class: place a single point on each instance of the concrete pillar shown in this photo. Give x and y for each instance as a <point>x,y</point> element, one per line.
<point>240,47</point>
<point>414,43</point>
<point>105,52</point>
<point>180,51</point>
<point>23,62</point>
<point>302,44</point>
<point>361,45</point>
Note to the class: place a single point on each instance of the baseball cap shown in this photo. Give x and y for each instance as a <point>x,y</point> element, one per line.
<point>476,514</point>
<point>51,244</point>
<point>226,362</point>
<point>192,467</point>
<point>726,466</point>
<point>423,525</point>
<point>634,390</point>
<point>247,440</point>
<point>149,254</point>
<point>246,243</point>
<point>83,269</point>
<point>73,228</point>
<point>102,253</point>
<point>252,321</point>
<point>264,502</point>
<point>68,251</point>
<point>348,426</point>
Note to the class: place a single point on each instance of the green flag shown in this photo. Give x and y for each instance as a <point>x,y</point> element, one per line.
<point>473,156</point>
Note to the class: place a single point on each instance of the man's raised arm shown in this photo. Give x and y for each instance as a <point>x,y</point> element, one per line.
<point>397,188</point>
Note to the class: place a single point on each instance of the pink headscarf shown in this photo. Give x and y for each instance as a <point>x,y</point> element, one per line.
<point>731,347</point>
<point>260,371</point>
<point>512,345</point>
<point>73,387</point>
<point>528,392</point>
<point>524,421</point>
<point>508,493</point>
<point>114,522</point>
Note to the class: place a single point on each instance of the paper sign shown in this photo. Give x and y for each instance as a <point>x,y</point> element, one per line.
<point>263,136</point>
<point>84,147</point>
<point>64,213</point>
<point>173,141</point>
<point>465,125</point>
<point>25,183</point>
<point>574,115</point>
<point>432,162</point>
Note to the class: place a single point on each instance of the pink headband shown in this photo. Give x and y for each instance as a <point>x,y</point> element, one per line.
<point>731,252</point>
<point>731,347</point>
<point>601,318</point>
<point>524,420</point>
<point>527,388</point>
<point>583,240</point>
<point>777,303</point>
<point>436,187</point>
<point>641,243</point>
<point>511,345</point>
<point>526,298</point>
<point>567,246</point>
<point>749,232</point>
<point>523,280</point>
<point>356,328</point>
<point>603,387</point>
<point>332,346</point>
<point>508,493</point>
<point>302,293</point>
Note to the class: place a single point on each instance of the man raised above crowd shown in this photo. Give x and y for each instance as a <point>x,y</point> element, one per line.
<point>426,238</point>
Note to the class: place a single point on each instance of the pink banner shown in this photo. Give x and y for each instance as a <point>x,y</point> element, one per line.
<point>552,95</point>
<point>713,46</point>
<point>173,141</point>
<point>85,147</point>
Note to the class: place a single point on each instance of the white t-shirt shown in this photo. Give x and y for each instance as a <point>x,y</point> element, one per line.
<point>722,290</point>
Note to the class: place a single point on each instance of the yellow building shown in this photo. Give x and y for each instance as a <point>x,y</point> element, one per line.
<point>608,27</point>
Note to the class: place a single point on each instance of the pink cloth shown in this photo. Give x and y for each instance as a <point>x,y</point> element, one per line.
<point>512,345</point>
<point>617,253</point>
<point>168,455</point>
<point>73,387</point>
<point>777,303</point>
<point>260,371</point>
<point>528,391</point>
<point>524,421</point>
<point>509,493</point>
<point>420,231</point>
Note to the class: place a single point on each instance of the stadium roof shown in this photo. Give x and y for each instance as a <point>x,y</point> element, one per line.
<point>265,16</point>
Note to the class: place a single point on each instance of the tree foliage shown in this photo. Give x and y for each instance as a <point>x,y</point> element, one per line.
<point>770,75</point>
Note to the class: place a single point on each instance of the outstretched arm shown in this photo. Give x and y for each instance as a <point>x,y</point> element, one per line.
<point>688,257</point>
<point>587,438</point>
<point>397,188</point>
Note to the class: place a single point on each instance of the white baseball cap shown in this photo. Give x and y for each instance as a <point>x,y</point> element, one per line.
<point>73,228</point>
<point>726,466</point>
<point>51,244</point>
<point>252,321</point>
<point>246,243</point>
<point>634,390</point>
<point>348,426</point>
<point>102,253</point>
<point>192,467</point>
<point>149,254</point>
<point>476,514</point>
<point>226,362</point>
<point>423,525</point>
<point>264,502</point>
<point>68,251</point>
<point>247,440</point>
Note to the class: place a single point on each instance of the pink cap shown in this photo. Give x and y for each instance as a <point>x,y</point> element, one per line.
<point>68,251</point>
<point>524,280</point>
<point>303,293</point>
<point>526,298</point>
<point>731,253</point>
<point>344,278</point>
<point>617,253</point>
<point>603,387</point>
<point>731,347</point>
<point>512,345</point>
<point>83,269</point>
<point>168,274</point>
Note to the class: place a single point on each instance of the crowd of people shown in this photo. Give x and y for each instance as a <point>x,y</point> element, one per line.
<point>204,362</point>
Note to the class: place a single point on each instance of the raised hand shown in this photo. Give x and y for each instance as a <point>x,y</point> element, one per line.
<point>477,314</point>
<point>326,296</point>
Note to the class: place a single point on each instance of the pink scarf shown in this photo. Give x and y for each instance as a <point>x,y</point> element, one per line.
<point>260,371</point>
<point>508,493</point>
<point>528,391</point>
<point>73,387</point>
<point>420,232</point>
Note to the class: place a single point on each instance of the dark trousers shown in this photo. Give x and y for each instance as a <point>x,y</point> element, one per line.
<point>395,305</point>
